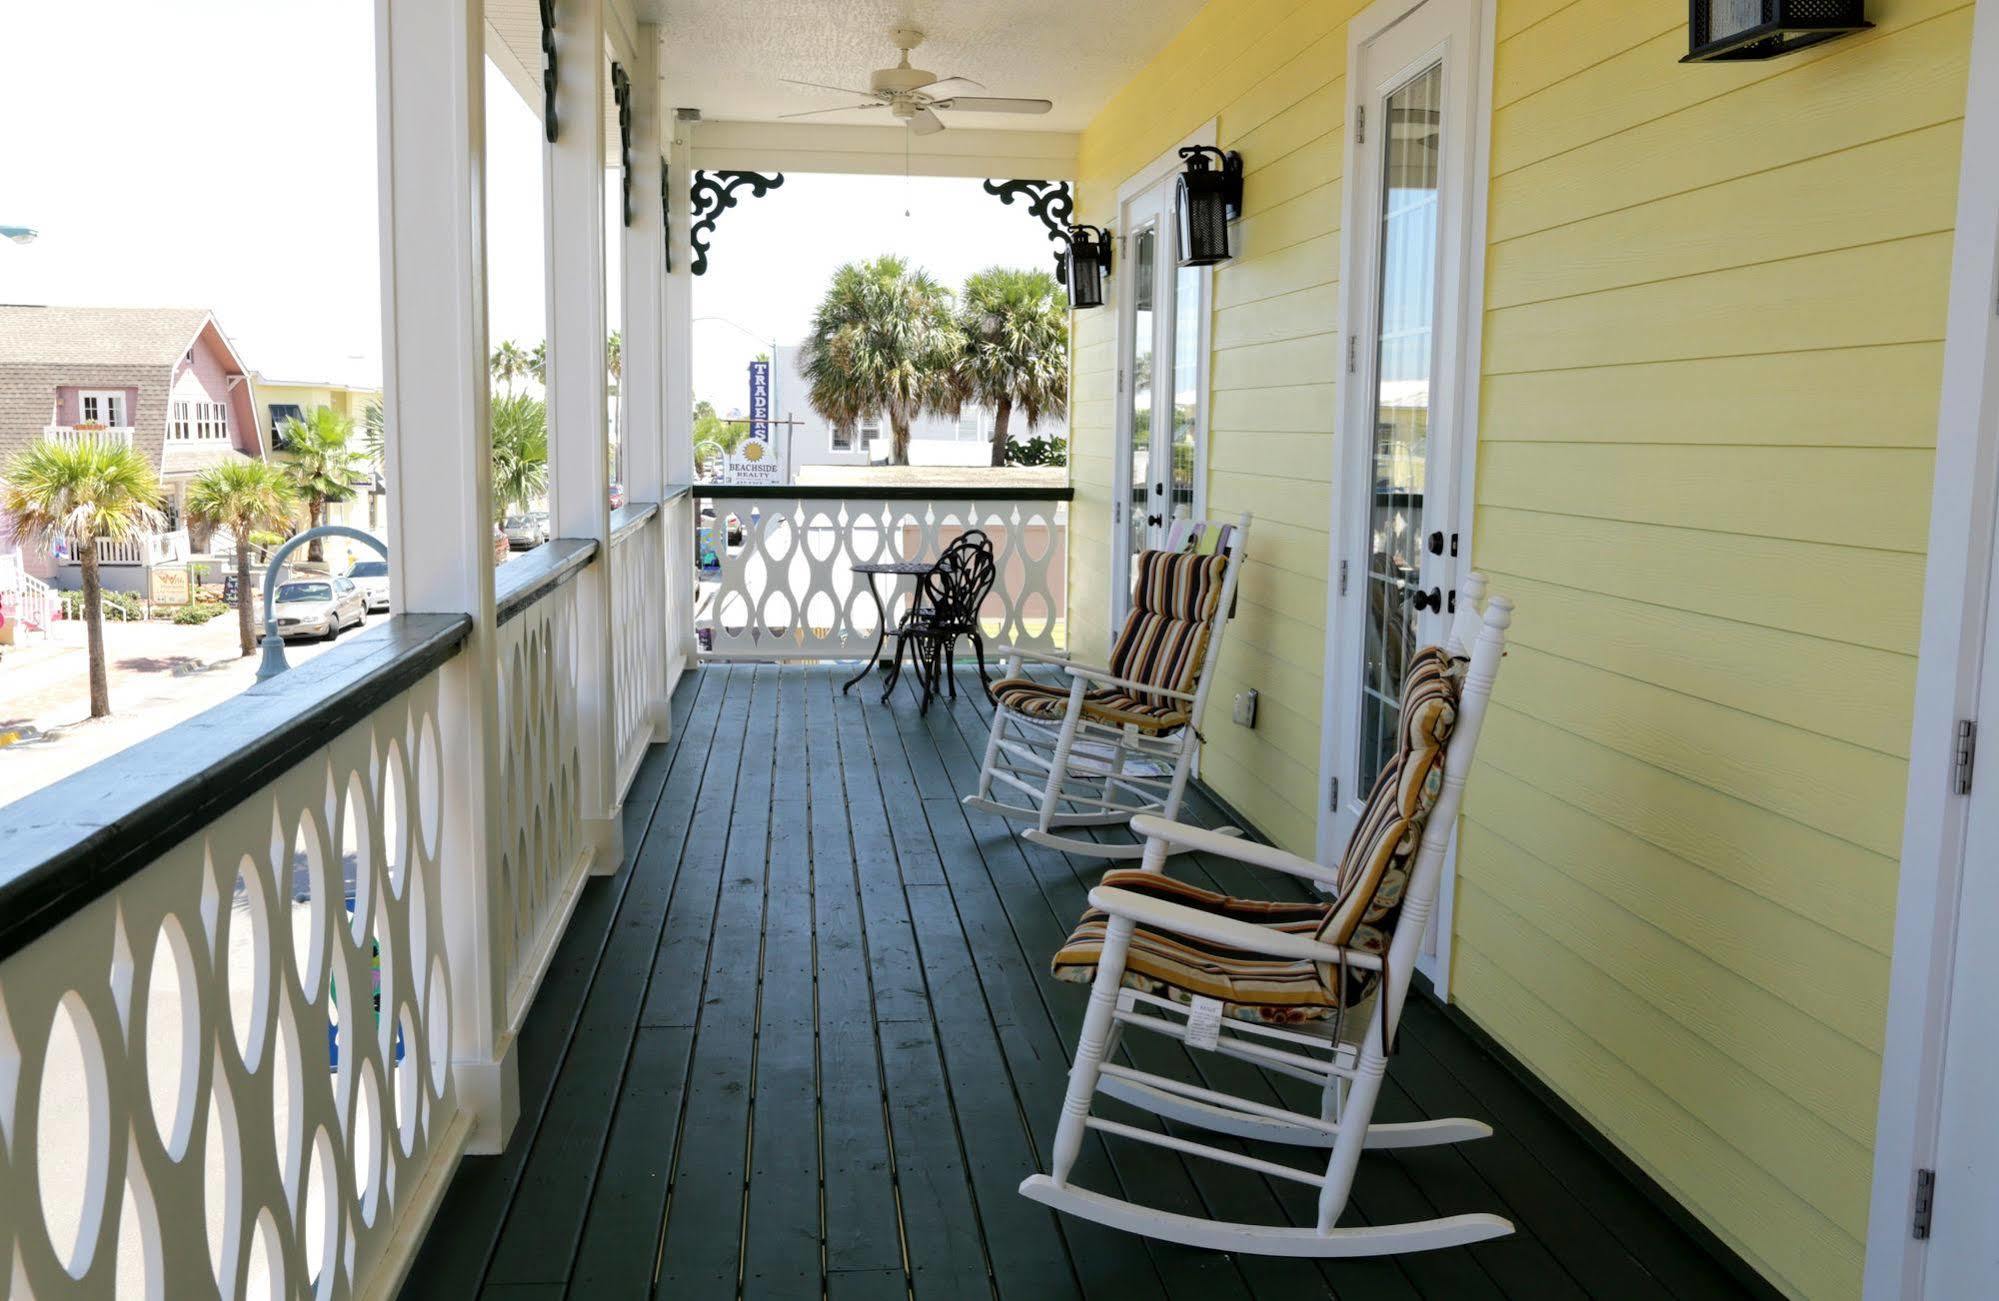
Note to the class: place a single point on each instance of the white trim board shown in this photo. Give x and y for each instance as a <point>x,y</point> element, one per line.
<point>1461,315</point>
<point>883,151</point>
<point>1957,584</point>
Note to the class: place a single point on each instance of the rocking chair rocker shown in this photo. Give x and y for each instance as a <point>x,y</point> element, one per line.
<point>1120,740</point>
<point>1310,990</point>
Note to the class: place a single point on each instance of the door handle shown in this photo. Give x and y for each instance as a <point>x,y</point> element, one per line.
<point>1437,544</point>
<point>1156,521</point>
<point>1430,600</point>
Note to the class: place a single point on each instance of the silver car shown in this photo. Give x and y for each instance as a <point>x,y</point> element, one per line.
<point>525,532</point>
<point>372,577</point>
<point>318,607</point>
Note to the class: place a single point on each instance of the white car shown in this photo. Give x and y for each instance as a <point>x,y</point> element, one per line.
<point>318,607</point>
<point>372,577</point>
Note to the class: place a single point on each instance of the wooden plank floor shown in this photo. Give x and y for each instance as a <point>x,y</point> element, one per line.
<point>806,1045</point>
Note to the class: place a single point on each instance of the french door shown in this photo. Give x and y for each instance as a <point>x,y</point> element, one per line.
<point>1162,399</point>
<point>1400,526</point>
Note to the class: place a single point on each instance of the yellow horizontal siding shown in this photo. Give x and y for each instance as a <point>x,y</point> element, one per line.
<point>1714,307</point>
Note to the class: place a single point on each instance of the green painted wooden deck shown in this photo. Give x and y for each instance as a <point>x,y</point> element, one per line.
<point>805,1044</point>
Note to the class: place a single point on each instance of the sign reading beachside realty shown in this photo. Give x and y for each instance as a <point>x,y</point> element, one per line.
<point>756,458</point>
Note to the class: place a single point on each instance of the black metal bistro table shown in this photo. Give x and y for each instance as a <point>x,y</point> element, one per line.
<point>895,569</point>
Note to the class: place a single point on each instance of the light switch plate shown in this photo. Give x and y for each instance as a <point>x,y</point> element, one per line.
<point>1245,707</point>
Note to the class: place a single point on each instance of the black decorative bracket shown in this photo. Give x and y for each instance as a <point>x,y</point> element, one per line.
<point>621,91</point>
<point>666,210</point>
<point>548,68</point>
<point>1052,202</point>
<point>710,195</point>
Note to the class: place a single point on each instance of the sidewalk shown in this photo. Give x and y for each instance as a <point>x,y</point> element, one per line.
<point>161,673</point>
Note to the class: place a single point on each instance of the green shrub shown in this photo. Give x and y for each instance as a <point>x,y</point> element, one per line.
<point>117,605</point>
<point>1038,451</point>
<point>196,613</point>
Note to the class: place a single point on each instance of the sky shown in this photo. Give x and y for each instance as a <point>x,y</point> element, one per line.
<point>221,154</point>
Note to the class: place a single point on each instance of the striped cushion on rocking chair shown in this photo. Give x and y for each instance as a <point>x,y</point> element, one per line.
<point>1372,876</point>
<point>1163,644</point>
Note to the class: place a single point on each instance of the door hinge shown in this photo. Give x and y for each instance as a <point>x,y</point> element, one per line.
<point>1333,796</point>
<point>1353,352</point>
<point>1360,124</point>
<point>1925,1204</point>
<point>1964,753</point>
<point>1343,578</point>
<point>1120,379</point>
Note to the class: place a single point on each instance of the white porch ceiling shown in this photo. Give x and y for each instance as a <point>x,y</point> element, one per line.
<point>724,57</point>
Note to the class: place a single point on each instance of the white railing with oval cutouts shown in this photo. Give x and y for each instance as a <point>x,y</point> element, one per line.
<point>638,635</point>
<point>229,1074</point>
<point>788,590</point>
<point>544,856</point>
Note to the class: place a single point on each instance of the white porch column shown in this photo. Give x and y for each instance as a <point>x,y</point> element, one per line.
<point>578,407</point>
<point>642,389</point>
<point>438,448</point>
<point>679,395</point>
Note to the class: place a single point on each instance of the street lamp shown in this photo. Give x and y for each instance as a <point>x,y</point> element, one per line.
<point>20,234</point>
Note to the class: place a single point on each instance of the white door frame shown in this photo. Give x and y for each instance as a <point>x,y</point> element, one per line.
<point>1141,182</point>
<point>1454,395</point>
<point>1958,584</point>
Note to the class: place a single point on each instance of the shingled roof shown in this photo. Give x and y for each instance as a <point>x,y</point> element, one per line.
<point>96,336</point>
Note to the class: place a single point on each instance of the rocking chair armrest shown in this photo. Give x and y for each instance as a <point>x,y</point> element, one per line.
<point>1104,677</point>
<point>1160,915</point>
<point>1203,841</point>
<point>1002,654</point>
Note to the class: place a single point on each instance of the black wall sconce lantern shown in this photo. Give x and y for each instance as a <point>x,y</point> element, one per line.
<point>1210,198</point>
<point>1720,31</point>
<point>1089,261</point>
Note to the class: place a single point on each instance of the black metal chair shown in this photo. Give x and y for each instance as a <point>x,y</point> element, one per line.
<point>945,611</point>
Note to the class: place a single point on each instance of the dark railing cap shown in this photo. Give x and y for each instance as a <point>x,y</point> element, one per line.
<point>885,492</point>
<point>73,842</point>
<point>534,574</point>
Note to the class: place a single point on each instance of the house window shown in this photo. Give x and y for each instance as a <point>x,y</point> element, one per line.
<point>281,412</point>
<point>841,438</point>
<point>971,425</point>
<point>871,429</point>
<point>199,421</point>
<point>101,407</point>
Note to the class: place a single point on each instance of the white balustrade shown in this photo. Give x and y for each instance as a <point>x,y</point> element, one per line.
<point>788,589</point>
<point>638,634</point>
<point>70,435</point>
<point>123,551</point>
<point>543,855</point>
<point>229,1074</point>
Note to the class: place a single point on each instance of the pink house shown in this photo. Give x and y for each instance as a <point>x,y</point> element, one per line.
<point>165,379</point>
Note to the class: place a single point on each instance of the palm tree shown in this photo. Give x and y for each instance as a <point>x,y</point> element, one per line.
<point>537,363</point>
<point>372,425</point>
<point>883,341</point>
<point>509,362</point>
<point>76,493</point>
<point>323,462</point>
<point>1016,354</point>
<point>614,357</point>
<point>520,452</point>
<point>245,497</point>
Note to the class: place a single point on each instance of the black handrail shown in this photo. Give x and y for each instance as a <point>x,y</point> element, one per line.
<point>886,492</point>
<point>534,574</point>
<point>73,842</point>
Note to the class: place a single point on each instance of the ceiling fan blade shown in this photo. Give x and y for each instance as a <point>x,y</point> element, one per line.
<point>842,108</point>
<point>942,81</point>
<point>987,104</point>
<point>820,85</point>
<point>925,123</point>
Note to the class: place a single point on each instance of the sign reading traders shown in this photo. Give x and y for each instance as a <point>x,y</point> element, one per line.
<point>756,458</point>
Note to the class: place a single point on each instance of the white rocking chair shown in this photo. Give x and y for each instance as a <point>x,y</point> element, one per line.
<point>1119,740</point>
<point>1310,990</point>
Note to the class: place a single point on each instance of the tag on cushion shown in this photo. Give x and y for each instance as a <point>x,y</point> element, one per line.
<point>1204,1022</point>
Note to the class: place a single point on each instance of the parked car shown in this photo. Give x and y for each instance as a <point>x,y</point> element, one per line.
<point>318,607</point>
<point>617,496</point>
<point>372,577</point>
<point>525,532</point>
<point>501,547</point>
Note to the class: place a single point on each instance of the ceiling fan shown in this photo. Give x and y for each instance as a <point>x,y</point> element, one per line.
<point>910,94</point>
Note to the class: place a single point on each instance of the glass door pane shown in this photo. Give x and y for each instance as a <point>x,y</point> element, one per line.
<point>1144,263</point>
<point>1402,367</point>
<point>1187,309</point>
